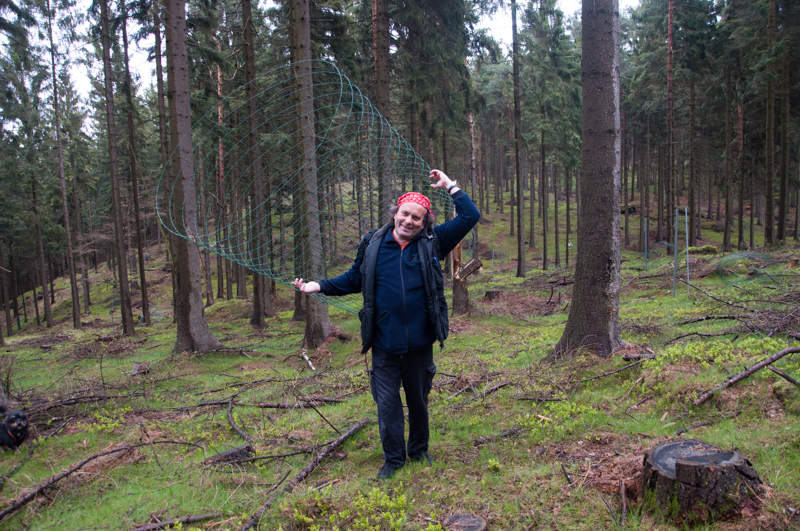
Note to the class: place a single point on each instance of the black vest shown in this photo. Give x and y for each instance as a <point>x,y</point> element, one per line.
<point>432,279</point>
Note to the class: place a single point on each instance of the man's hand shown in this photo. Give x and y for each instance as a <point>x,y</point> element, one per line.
<point>442,180</point>
<point>305,287</point>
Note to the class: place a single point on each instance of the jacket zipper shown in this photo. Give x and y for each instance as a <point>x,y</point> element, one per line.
<point>403,290</point>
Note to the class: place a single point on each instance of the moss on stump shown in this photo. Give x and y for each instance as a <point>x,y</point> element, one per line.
<point>694,482</point>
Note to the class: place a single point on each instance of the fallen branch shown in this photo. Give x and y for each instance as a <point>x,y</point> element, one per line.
<point>302,475</point>
<point>52,480</point>
<point>494,388</point>
<point>707,294</point>
<point>707,423</point>
<point>699,334</point>
<point>281,405</point>
<point>239,430</point>
<point>628,366</point>
<point>507,433</point>
<point>182,520</point>
<point>303,354</point>
<point>784,376</point>
<point>742,375</point>
<point>707,317</point>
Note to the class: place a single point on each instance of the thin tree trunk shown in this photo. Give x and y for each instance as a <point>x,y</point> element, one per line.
<point>73,282</point>
<point>693,184</point>
<point>7,301</point>
<point>726,237</point>
<point>137,218</point>
<point>48,314</point>
<point>740,133</point>
<point>126,312</point>
<point>543,194</point>
<point>769,189</point>
<point>783,187</point>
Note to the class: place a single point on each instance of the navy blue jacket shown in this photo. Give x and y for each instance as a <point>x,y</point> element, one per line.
<point>402,322</point>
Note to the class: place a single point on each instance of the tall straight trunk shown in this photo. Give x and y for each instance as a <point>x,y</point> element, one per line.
<point>318,324</point>
<point>7,301</point>
<point>740,133</point>
<point>517,144</point>
<point>752,209</point>
<point>710,195</point>
<point>79,229</point>
<point>169,248</point>
<point>473,156</point>
<point>512,220</point>
<point>543,194</point>
<point>567,189</point>
<point>381,36</point>
<point>532,209</point>
<point>126,313</point>
<point>593,321</point>
<point>693,184</point>
<point>262,296</point>
<point>783,187</point>
<point>193,334</point>
<point>36,296</point>
<point>555,216</point>
<point>769,189</point>
<point>625,179</point>
<point>670,181</point>
<point>660,194</point>
<point>137,218</point>
<point>73,281</point>
<point>726,237</point>
<point>48,314</point>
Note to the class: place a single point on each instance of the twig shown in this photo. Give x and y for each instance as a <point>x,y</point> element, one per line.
<point>697,334</point>
<point>707,317</point>
<point>707,294</point>
<point>613,515</point>
<point>307,360</point>
<point>182,520</point>
<point>624,500</point>
<point>742,375</point>
<point>566,474</point>
<point>628,366</point>
<point>784,376</point>
<point>507,433</point>
<point>302,475</point>
<point>707,422</point>
<point>283,405</point>
<point>494,388</point>
<point>239,430</point>
<point>640,402</point>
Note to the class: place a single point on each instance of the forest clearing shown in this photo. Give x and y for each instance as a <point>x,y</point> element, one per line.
<point>502,424</point>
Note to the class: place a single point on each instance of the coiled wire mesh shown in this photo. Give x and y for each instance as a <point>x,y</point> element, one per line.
<point>250,203</point>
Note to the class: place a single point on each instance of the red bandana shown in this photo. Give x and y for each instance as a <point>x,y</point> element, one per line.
<point>414,197</point>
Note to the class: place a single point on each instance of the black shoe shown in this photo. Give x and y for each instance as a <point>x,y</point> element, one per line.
<point>420,457</point>
<point>387,471</point>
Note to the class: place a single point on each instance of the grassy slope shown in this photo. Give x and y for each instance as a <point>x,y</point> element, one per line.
<point>599,429</point>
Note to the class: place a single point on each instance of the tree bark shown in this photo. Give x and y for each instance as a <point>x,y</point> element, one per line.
<point>48,314</point>
<point>193,333</point>
<point>73,282</point>
<point>769,189</point>
<point>7,301</point>
<point>593,320</point>
<point>726,237</point>
<point>126,312</point>
<point>318,324</point>
<point>783,188</point>
<point>517,144</point>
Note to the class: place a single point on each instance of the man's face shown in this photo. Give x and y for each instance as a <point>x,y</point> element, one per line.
<point>408,221</point>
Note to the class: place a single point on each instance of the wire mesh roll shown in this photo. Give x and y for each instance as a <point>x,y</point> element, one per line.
<point>246,200</point>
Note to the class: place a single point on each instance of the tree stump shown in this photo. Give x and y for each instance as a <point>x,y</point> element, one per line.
<point>694,482</point>
<point>492,294</point>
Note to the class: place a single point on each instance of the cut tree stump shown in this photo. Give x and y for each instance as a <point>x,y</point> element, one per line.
<point>692,481</point>
<point>492,294</point>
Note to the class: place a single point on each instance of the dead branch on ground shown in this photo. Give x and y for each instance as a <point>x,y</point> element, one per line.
<point>708,422</point>
<point>302,475</point>
<point>181,519</point>
<point>233,424</point>
<point>484,440</point>
<point>742,375</point>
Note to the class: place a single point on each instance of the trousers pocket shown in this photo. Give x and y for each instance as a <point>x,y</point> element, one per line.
<point>372,389</point>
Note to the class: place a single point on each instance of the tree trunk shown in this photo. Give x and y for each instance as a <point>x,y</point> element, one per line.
<point>543,193</point>
<point>740,128</point>
<point>769,189</point>
<point>137,218</point>
<point>783,188</point>
<point>7,301</point>
<point>517,144</point>
<point>48,314</point>
<point>625,179</point>
<point>568,191</point>
<point>380,13</point>
<point>73,282</point>
<point>193,333</point>
<point>318,324</point>
<point>726,237</point>
<point>670,180</point>
<point>593,320</point>
<point>126,312</point>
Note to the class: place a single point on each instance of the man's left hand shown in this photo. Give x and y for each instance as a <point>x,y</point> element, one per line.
<point>442,180</point>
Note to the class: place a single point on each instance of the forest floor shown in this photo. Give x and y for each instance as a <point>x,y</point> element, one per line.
<point>506,431</point>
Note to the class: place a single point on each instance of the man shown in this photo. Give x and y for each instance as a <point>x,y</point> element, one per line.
<point>397,270</point>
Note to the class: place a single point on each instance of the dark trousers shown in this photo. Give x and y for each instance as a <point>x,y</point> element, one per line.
<point>415,370</point>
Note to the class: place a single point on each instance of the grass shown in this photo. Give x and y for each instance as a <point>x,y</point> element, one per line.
<point>599,429</point>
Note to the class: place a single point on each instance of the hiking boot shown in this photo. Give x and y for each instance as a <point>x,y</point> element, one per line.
<point>420,457</point>
<point>387,471</point>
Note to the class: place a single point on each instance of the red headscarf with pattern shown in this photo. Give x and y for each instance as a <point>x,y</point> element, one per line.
<point>414,197</point>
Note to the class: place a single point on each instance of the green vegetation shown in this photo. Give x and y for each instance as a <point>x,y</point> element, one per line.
<point>82,399</point>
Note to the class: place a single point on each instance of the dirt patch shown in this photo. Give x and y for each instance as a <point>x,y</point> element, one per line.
<point>254,366</point>
<point>522,305</point>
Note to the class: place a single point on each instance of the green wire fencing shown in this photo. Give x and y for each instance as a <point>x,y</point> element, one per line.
<point>246,199</point>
